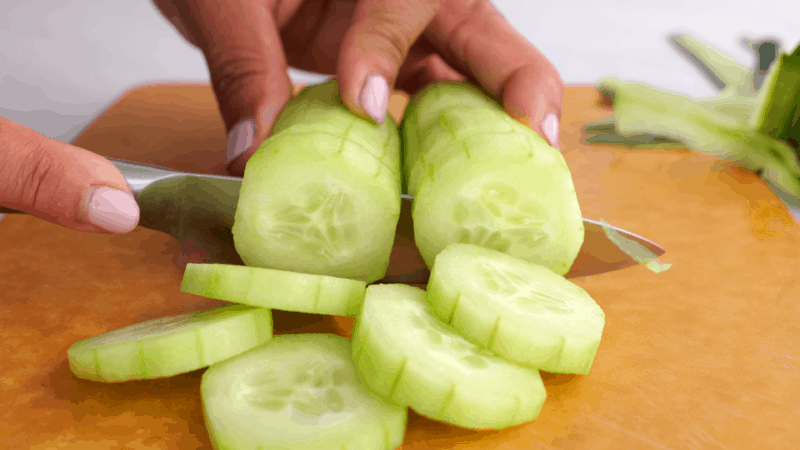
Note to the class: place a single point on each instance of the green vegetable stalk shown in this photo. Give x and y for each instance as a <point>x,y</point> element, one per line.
<point>753,121</point>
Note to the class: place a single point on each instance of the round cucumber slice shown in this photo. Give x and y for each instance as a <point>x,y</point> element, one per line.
<point>297,392</point>
<point>275,289</point>
<point>406,355</point>
<point>424,108</point>
<point>171,345</point>
<point>521,311</point>
<point>522,203</point>
<point>316,203</point>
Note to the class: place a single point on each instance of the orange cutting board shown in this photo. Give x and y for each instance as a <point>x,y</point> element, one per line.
<point>703,356</point>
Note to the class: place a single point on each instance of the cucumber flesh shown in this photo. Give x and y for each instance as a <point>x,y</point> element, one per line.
<point>171,345</point>
<point>406,355</point>
<point>275,289</point>
<point>316,203</point>
<point>521,311</point>
<point>297,392</point>
<point>522,203</point>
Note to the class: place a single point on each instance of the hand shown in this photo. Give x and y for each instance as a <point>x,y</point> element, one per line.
<point>62,184</point>
<point>369,45</point>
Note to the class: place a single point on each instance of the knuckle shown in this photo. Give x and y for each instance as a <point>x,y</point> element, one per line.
<point>34,176</point>
<point>233,76</point>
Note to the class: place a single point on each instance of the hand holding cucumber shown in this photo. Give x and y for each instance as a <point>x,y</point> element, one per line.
<point>370,46</point>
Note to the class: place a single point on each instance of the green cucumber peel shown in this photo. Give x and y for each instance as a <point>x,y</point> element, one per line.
<point>755,128</point>
<point>635,250</point>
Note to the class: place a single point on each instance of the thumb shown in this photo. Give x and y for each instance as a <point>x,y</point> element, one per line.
<point>375,47</point>
<point>242,46</point>
<point>63,184</point>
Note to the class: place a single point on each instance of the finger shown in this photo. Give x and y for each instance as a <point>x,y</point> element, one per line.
<point>422,69</point>
<point>63,184</point>
<point>475,39</point>
<point>170,11</point>
<point>375,47</point>
<point>242,46</point>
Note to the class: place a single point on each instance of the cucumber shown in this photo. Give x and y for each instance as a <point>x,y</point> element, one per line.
<point>480,177</point>
<point>460,127</point>
<point>404,354</point>
<point>317,203</point>
<point>521,311</point>
<point>523,204</point>
<point>297,392</point>
<point>170,345</point>
<point>275,289</point>
<point>321,108</point>
<point>424,108</point>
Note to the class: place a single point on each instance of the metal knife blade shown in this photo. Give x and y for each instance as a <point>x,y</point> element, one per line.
<point>200,209</point>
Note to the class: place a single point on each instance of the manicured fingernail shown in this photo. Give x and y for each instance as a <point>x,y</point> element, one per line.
<point>375,97</point>
<point>111,209</point>
<point>240,139</point>
<point>550,128</point>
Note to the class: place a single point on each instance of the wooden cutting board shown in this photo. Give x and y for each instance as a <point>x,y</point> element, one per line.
<point>703,356</point>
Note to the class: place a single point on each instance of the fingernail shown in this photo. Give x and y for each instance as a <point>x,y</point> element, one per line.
<point>550,128</point>
<point>240,139</point>
<point>375,97</point>
<point>111,209</point>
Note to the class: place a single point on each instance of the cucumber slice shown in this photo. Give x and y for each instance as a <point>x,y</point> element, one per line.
<point>297,392</point>
<point>518,310</point>
<point>170,345</point>
<point>316,203</point>
<point>406,355</point>
<point>424,108</point>
<point>319,106</point>
<point>275,289</point>
<point>523,203</point>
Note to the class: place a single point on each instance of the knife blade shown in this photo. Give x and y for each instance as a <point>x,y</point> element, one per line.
<point>200,208</point>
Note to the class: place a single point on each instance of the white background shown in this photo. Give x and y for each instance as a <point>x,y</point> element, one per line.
<point>63,61</point>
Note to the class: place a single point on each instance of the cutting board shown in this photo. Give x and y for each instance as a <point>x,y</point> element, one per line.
<point>703,356</point>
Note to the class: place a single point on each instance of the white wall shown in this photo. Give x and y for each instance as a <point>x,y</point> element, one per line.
<point>63,61</point>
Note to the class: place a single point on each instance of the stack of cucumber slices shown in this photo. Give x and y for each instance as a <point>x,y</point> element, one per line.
<point>497,221</point>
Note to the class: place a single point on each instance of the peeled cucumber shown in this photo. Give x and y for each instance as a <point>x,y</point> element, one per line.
<point>297,392</point>
<point>275,289</point>
<point>480,177</point>
<point>320,107</point>
<point>319,200</point>
<point>523,312</point>
<point>403,353</point>
<point>170,345</point>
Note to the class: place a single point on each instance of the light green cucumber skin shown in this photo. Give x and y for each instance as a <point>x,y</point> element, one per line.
<point>421,116</point>
<point>373,424</point>
<point>288,164</point>
<point>553,342</point>
<point>275,289</point>
<point>229,330</point>
<point>457,194</point>
<point>458,127</point>
<point>388,159</point>
<point>320,106</point>
<point>484,391</point>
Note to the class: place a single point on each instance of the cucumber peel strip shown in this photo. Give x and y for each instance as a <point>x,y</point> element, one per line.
<point>751,127</point>
<point>635,250</point>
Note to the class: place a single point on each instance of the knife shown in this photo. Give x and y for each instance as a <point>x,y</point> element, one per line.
<point>200,209</point>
